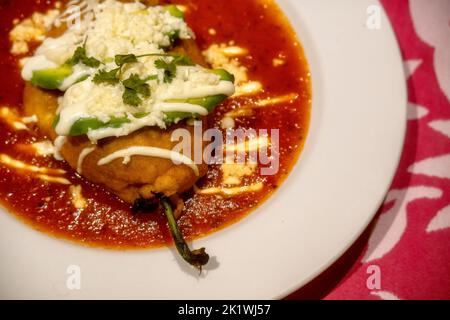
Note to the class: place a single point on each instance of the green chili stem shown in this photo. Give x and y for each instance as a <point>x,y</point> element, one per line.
<point>197,258</point>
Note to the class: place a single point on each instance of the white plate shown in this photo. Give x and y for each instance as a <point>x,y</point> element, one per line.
<point>356,137</point>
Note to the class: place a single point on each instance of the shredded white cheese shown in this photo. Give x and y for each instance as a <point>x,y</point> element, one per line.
<point>216,57</point>
<point>233,173</point>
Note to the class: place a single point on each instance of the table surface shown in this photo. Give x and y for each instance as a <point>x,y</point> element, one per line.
<point>404,254</point>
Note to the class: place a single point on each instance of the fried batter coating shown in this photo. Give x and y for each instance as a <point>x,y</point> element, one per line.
<point>140,178</point>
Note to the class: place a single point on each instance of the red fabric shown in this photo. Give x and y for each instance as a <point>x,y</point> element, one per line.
<point>408,243</point>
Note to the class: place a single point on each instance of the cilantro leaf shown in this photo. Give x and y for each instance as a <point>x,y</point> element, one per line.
<point>109,77</point>
<point>135,88</point>
<point>170,69</point>
<point>131,98</point>
<point>137,84</point>
<point>122,59</point>
<point>80,55</point>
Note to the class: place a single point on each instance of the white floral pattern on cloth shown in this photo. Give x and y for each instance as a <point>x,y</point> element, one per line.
<point>411,236</point>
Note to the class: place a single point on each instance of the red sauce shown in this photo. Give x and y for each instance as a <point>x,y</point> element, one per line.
<point>108,222</point>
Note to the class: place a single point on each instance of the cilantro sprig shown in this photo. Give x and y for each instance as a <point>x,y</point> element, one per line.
<point>80,55</point>
<point>108,77</point>
<point>170,68</point>
<point>112,76</point>
<point>136,89</point>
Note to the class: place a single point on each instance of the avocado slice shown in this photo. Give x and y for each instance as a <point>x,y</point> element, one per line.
<point>224,75</point>
<point>174,11</point>
<point>84,125</point>
<point>51,78</point>
<point>209,103</point>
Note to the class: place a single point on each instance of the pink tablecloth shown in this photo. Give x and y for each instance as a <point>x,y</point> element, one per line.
<point>405,254</point>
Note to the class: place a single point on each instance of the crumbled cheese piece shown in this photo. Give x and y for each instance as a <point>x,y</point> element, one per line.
<point>78,201</point>
<point>44,148</point>
<point>212,31</point>
<point>215,56</point>
<point>123,28</point>
<point>234,172</point>
<point>31,119</point>
<point>249,88</point>
<point>227,123</point>
<point>231,51</point>
<point>12,119</point>
<point>31,29</point>
<point>277,62</point>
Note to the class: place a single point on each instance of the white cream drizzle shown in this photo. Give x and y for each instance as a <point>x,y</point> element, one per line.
<point>17,164</point>
<point>188,91</point>
<point>150,152</point>
<point>233,51</point>
<point>248,88</point>
<point>79,72</point>
<point>31,119</point>
<point>59,143</point>
<point>19,125</point>
<point>52,179</point>
<point>231,192</point>
<point>84,153</point>
<point>287,98</point>
<point>251,145</point>
<point>12,119</point>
